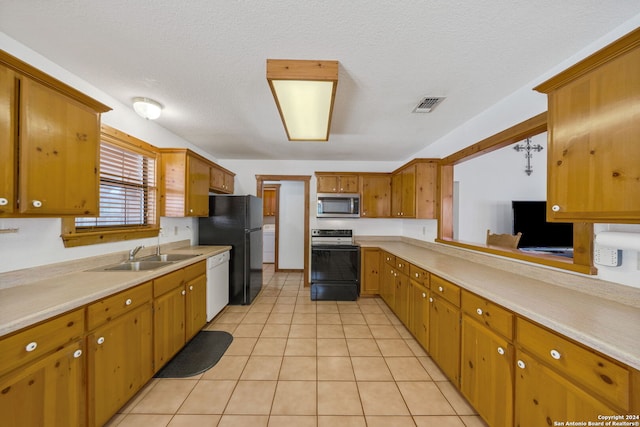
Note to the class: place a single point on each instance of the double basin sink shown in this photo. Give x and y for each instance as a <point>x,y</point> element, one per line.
<point>150,262</point>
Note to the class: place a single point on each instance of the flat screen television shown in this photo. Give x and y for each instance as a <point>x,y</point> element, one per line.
<point>530,218</point>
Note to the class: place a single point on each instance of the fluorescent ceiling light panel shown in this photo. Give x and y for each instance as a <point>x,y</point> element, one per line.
<point>304,92</point>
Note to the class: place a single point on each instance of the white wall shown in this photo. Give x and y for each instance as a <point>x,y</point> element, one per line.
<point>488,184</point>
<point>37,241</point>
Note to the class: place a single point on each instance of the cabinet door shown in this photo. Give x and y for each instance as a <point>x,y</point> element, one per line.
<point>196,310</point>
<point>419,320</point>
<point>327,184</point>
<point>396,195</point>
<point>216,178</point>
<point>426,190</point>
<point>376,196</point>
<point>543,397</point>
<point>168,325</point>
<point>486,377</point>
<point>593,144</point>
<point>198,187</point>
<point>229,186</point>
<point>409,192</point>
<point>7,140</point>
<point>120,355</point>
<point>402,298</point>
<point>444,337</point>
<point>389,285</point>
<point>47,392</point>
<point>370,271</point>
<point>349,184</point>
<point>59,157</point>
<point>269,202</point>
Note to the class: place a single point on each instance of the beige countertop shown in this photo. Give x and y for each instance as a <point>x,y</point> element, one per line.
<point>608,326</point>
<point>27,304</point>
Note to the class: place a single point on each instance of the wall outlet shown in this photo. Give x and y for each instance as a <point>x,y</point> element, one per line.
<point>607,257</point>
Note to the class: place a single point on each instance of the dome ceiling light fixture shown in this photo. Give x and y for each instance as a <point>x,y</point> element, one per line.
<point>304,91</point>
<point>147,108</point>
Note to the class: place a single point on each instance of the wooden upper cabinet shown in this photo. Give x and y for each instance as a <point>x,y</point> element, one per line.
<point>49,137</point>
<point>7,140</point>
<point>59,153</point>
<point>337,183</point>
<point>594,167</point>
<point>221,180</point>
<point>269,202</point>
<point>376,195</point>
<point>414,190</point>
<point>185,183</point>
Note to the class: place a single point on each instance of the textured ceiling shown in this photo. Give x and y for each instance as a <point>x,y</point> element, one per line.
<point>205,61</point>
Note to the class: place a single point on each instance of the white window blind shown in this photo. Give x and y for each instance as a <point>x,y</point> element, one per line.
<point>127,190</point>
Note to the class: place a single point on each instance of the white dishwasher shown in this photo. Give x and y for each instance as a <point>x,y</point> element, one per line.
<point>217,284</point>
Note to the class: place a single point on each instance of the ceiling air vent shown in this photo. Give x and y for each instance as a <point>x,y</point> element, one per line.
<point>427,104</point>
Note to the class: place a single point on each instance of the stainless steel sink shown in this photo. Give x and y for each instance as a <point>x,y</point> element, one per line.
<point>135,266</point>
<point>168,257</point>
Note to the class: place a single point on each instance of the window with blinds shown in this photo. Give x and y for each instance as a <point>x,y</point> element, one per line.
<point>127,190</point>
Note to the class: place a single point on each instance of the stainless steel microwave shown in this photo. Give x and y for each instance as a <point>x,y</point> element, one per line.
<point>338,205</point>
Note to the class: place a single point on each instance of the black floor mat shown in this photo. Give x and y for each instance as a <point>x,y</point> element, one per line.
<point>200,354</point>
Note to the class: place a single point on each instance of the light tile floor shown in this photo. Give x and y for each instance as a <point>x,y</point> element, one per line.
<point>297,362</point>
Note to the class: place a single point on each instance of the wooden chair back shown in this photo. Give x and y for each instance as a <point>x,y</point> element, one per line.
<point>504,240</point>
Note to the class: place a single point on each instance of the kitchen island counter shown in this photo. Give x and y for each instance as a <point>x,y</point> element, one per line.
<point>603,316</point>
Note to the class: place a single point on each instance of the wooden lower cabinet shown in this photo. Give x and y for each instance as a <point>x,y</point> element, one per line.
<point>403,287</point>
<point>48,392</point>
<point>444,337</point>
<point>370,273</point>
<point>120,359</point>
<point>542,396</point>
<point>168,325</point>
<point>486,377</point>
<point>419,313</point>
<point>180,310</point>
<point>196,309</point>
<point>388,285</point>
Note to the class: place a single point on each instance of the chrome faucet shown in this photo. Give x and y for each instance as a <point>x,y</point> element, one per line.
<point>133,252</point>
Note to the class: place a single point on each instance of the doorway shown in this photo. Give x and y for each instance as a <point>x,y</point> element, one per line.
<point>260,180</point>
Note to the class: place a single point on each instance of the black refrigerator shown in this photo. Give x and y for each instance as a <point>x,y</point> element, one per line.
<point>236,221</point>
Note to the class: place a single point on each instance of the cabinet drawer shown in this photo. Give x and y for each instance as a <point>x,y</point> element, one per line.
<point>389,259</point>
<point>194,270</point>
<point>601,376</point>
<point>402,266</point>
<point>445,289</point>
<point>38,340</point>
<point>111,307</point>
<point>420,275</point>
<point>488,313</point>
<point>164,284</point>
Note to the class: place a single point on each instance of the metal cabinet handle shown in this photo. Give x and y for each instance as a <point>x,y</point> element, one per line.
<point>424,295</point>
<point>31,346</point>
<point>36,203</point>
<point>100,340</point>
<point>430,299</point>
<point>479,311</point>
<point>183,292</point>
<point>555,354</point>
<point>521,364</point>
<point>500,351</point>
<point>77,353</point>
<point>555,208</point>
<point>3,201</point>
<point>128,301</point>
<point>191,288</point>
<point>440,288</point>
